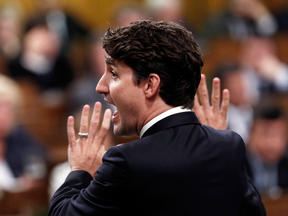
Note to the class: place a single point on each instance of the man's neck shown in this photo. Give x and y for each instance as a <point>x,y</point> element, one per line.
<point>161,116</point>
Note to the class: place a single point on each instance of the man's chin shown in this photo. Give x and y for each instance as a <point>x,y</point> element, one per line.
<point>117,131</point>
<point>120,131</point>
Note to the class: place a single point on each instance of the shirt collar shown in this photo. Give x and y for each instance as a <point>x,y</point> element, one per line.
<point>163,115</point>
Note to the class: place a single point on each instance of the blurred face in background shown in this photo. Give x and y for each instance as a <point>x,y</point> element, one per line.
<point>255,49</point>
<point>43,42</point>
<point>171,12</point>
<point>128,15</point>
<point>269,139</point>
<point>9,28</point>
<point>239,92</point>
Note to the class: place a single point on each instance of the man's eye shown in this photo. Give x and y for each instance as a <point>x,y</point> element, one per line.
<point>113,74</point>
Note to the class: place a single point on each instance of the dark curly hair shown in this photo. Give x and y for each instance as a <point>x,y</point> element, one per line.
<point>164,48</point>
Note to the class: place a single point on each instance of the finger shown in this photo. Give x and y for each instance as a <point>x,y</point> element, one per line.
<point>203,96</point>
<point>198,110</point>
<point>215,97</point>
<point>196,103</point>
<point>94,121</point>
<point>71,131</point>
<point>105,126</point>
<point>84,119</point>
<point>225,102</point>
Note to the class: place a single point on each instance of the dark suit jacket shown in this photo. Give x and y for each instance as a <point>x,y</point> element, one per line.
<point>59,76</point>
<point>178,167</point>
<point>22,150</point>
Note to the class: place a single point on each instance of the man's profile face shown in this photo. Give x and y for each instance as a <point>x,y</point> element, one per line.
<point>119,88</point>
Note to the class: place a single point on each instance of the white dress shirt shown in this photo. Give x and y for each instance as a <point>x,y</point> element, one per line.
<point>163,115</point>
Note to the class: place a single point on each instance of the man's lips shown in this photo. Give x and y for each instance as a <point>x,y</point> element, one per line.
<point>107,100</point>
<point>115,115</point>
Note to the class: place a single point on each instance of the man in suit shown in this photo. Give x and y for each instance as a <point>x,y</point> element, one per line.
<point>178,166</point>
<point>267,156</point>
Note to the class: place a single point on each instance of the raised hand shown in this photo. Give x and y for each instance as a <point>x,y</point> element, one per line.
<point>86,152</point>
<point>214,115</point>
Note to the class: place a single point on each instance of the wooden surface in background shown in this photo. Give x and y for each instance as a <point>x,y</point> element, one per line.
<point>278,207</point>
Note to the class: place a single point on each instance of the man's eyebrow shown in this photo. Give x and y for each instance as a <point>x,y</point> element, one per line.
<point>109,60</point>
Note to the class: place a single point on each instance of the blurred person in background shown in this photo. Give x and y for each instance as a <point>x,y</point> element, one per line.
<point>258,72</point>
<point>67,27</point>
<point>10,30</point>
<point>267,158</point>
<point>22,158</point>
<point>40,61</point>
<point>168,10</point>
<point>242,18</point>
<point>259,56</point>
<point>125,13</point>
<point>242,97</point>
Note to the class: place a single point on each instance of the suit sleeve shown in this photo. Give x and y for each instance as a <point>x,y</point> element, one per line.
<point>104,195</point>
<point>252,205</point>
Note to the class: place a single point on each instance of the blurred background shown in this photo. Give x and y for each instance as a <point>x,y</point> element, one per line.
<point>51,59</point>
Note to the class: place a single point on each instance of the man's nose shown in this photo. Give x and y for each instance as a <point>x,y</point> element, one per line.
<point>102,87</point>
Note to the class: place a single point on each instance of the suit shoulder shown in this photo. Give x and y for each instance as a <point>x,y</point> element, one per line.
<point>126,146</point>
<point>115,152</point>
<point>228,138</point>
<point>228,134</point>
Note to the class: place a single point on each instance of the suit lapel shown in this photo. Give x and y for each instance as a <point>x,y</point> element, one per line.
<point>172,121</point>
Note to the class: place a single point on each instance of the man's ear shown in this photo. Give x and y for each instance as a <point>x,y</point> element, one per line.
<point>152,85</point>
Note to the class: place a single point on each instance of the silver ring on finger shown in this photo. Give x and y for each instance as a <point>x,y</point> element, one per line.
<point>83,135</point>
